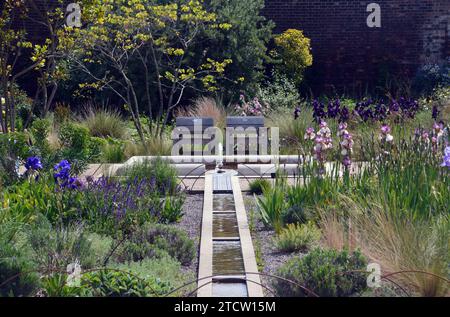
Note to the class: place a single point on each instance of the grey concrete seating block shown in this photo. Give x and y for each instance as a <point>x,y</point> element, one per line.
<point>266,169</point>
<point>245,122</point>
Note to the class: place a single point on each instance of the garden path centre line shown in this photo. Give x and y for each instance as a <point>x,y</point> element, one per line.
<point>226,248</point>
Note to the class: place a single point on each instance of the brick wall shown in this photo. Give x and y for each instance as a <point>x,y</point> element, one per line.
<point>347,53</point>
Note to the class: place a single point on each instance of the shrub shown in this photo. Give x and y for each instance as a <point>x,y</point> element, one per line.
<point>325,272</point>
<point>149,240</point>
<point>40,130</point>
<point>109,283</point>
<point>281,93</point>
<point>56,247</point>
<point>109,206</point>
<point>104,123</point>
<point>295,51</point>
<point>297,237</point>
<point>113,152</point>
<point>75,143</point>
<point>17,271</point>
<point>164,175</point>
<point>164,274</point>
<point>258,185</point>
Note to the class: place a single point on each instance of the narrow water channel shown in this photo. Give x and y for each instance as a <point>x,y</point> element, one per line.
<point>227,250</point>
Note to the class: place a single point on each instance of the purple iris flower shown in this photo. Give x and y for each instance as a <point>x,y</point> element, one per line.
<point>33,163</point>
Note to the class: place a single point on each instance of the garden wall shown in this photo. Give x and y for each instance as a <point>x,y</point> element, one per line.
<point>349,53</point>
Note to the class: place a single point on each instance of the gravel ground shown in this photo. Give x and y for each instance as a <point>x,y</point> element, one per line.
<point>191,224</point>
<point>263,240</point>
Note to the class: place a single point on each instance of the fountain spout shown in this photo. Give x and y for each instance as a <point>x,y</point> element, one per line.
<point>219,161</point>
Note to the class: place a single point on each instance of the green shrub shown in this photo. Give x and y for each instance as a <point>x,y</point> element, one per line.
<point>105,123</point>
<point>75,145</point>
<point>258,185</point>
<point>108,283</point>
<point>57,247</point>
<point>164,273</point>
<point>295,51</point>
<point>327,273</point>
<point>165,176</point>
<point>113,152</point>
<point>297,237</point>
<point>153,240</point>
<point>281,93</point>
<point>100,247</point>
<point>13,263</point>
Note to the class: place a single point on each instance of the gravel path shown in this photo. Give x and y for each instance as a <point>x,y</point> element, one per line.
<point>263,240</point>
<point>191,224</point>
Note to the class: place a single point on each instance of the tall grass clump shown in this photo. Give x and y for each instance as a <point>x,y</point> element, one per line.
<point>157,170</point>
<point>206,107</point>
<point>104,123</point>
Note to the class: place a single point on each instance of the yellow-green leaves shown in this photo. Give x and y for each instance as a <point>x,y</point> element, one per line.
<point>295,50</point>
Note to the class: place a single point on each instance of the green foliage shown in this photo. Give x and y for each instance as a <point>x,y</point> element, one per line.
<point>258,185</point>
<point>17,272</point>
<point>30,199</point>
<point>113,153</point>
<point>154,240</point>
<point>297,237</point>
<point>280,92</point>
<point>172,209</point>
<point>327,273</point>
<point>55,247</point>
<point>40,130</point>
<point>165,176</point>
<point>163,274</point>
<point>77,146</point>
<point>245,43</point>
<point>295,51</point>
<point>272,204</point>
<point>13,149</point>
<point>109,283</point>
<point>105,123</point>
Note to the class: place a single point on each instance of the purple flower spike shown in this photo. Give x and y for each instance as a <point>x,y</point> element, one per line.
<point>446,162</point>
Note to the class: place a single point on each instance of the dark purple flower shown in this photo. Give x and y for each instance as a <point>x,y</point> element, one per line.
<point>297,113</point>
<point>33,163</point>
<point>435,113</point>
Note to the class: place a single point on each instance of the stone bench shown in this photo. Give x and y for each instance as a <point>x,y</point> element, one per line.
<point>196,130</point>
<point>246,131</point>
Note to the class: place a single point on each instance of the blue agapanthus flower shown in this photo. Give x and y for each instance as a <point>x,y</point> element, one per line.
<point>33,163</point>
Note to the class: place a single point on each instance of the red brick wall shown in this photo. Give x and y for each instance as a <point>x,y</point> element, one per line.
<point>347,53</point>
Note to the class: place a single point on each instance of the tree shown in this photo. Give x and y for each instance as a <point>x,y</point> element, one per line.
<point>50,15</point>
<point>245,43</point>
<point>43,58</point>
<point>156,38</point>
<point>13,45</point>
<point>294,49</point>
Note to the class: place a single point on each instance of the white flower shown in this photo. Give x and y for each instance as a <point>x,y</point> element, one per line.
<point>389,138</point>
<point>344,152</point>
